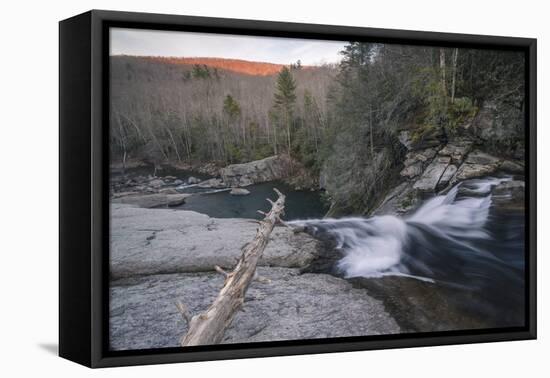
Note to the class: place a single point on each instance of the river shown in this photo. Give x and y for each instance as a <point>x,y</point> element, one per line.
<point>457,262</point>
<point>300,204</point>
<point>466,246</point>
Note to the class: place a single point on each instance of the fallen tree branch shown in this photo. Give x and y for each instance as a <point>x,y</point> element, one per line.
<point>183,311</point>
<point>295,229</point>
<point>209,327</point>
<point>221,271</point>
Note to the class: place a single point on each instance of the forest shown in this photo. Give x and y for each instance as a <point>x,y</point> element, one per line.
<point>333,120</point>
<point>381,194</point>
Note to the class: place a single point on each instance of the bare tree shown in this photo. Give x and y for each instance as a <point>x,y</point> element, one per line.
<point>453,84</point>
<point>442,69</point>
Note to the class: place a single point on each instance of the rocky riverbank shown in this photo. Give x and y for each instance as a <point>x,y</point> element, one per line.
<point>418,160</point>
<point>159,241</point>
<point>158,190</point>
<point>147,191</point>
<point>435,169</point>
<point>160,256</point>
<point>482,146</point>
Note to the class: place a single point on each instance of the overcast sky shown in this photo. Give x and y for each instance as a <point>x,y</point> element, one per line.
<point>185,44</point>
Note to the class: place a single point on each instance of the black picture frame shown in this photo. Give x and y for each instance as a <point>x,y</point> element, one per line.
<point>84,199</point>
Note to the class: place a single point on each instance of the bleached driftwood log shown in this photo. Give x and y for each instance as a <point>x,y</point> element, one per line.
<point>209,326</point>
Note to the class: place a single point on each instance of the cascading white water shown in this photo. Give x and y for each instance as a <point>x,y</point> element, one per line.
<point>380,245</point>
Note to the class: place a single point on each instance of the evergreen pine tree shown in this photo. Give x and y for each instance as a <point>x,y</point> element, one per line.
<point>285,100</point>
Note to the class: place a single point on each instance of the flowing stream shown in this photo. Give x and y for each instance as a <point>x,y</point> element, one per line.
<point>457,262</point>
<point>459,240</point>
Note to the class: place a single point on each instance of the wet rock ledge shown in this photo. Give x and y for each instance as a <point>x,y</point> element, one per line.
<point>160,256</point>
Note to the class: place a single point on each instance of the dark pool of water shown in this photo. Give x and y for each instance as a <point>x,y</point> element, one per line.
<point>299,204</point>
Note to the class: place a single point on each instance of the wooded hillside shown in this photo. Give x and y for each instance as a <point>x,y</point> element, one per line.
<point>342,123</point>
<point>162,111</point>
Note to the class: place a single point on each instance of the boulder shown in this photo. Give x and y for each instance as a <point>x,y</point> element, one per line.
<point>152,200</point>
<point>477,164</point>
<point>430,138</point>
<point>430,178</point>
<point>140,179</point>
<point>447,176</point>
<point>258,171</point>
<point>157,241</point>
<point>456,150</point>
<point>425,154</point>
<point>168,191</point>
<point>193,180</point>
<point>512,167</point>
<point>124,194</point>
<point>416,161</point>
<point>481,158</point>
<point>214,183</point>
<point>422,156</point>
<point>499,122</point>
<point>156,183</point>
<point>469,171</point>
<point>401,200</point>
<point>412,170</point>
<point>239,192</point>
<point>292,306</point>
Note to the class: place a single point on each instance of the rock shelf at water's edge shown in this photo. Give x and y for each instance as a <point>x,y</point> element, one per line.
<point>160,256</point>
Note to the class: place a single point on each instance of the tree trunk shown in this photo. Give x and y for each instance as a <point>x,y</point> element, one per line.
<point>186,136</point>
<point>124,162</point>
<point>174,144</point>
<point>209,327</point>
<point>122,143</point>
<point>287,118</point>
<point>453,84</point>
<point>442,71</point>
<point>373,167</point>
<point>275,152</point>
<point>371,132</point>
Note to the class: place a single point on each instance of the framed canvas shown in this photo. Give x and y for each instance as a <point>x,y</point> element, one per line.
<point>234,188</point>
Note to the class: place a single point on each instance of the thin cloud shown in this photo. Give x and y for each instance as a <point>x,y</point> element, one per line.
<point>186,44</point>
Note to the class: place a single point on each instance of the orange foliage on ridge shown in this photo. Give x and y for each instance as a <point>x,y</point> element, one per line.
<point>235,65</point>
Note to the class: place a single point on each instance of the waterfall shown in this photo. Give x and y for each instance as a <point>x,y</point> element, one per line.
<point>445,240</point>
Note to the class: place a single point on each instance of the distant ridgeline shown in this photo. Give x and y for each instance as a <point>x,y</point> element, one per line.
<point>214,110</point>
<point>354,126</point>
<point>234,65</point>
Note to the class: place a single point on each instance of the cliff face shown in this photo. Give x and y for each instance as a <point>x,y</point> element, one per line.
<point>258,171</point>
<point>417,163</point>
<point>355,180</point>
